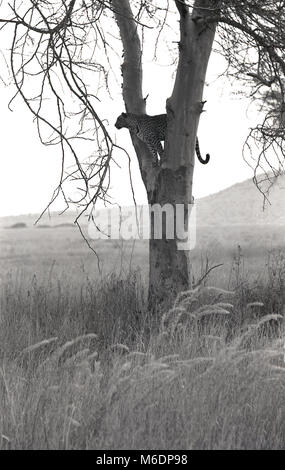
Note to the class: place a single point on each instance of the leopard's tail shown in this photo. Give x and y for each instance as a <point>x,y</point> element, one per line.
<point>201,160</point>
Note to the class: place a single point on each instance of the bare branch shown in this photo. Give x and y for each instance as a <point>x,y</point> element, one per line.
<point>206,274</point>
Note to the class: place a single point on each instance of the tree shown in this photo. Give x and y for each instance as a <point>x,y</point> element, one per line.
<point>51,40</point>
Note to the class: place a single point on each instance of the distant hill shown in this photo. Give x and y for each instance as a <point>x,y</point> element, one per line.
<point>18,225</point>
<point>55,219</point>
<point>240,204</point>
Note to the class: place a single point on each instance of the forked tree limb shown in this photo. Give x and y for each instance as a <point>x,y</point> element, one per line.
<point>184,106</point>
<point>182,7</point>
<point>132,83</point>
<point>132,51</point>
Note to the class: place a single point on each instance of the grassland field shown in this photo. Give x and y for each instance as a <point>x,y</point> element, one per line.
<point>36,251</point>
<point>85,365</point>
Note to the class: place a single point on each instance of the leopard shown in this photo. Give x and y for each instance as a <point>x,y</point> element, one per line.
<point>152,131</point>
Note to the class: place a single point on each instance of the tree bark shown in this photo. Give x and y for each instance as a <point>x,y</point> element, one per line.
<point>132,84</point>
<point>171,182</point>
<point>169,266</point>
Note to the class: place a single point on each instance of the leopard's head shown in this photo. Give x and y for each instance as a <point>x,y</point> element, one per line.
<point>121,121</point>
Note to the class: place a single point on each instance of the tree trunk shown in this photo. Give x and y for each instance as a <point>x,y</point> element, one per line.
<point>168,265</point>
<point>170,182</point>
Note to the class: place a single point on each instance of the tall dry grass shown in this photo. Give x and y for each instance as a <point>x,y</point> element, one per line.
<point>91,369</point>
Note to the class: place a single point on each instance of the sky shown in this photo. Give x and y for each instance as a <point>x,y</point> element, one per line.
<point>30,171</point>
